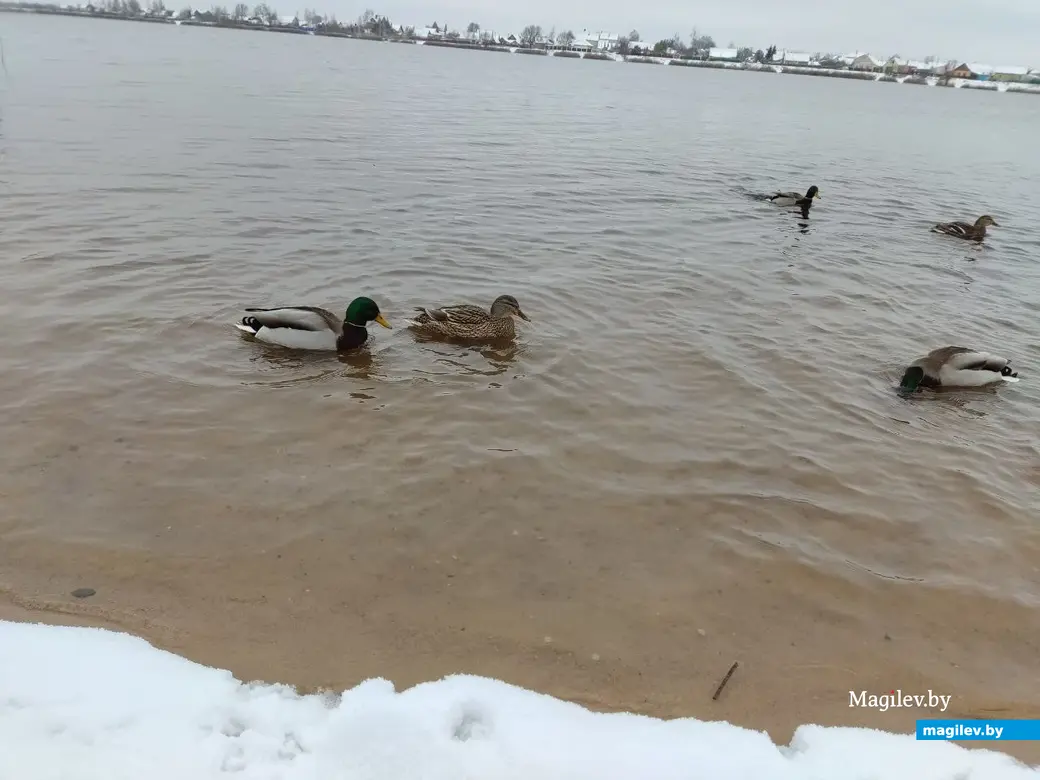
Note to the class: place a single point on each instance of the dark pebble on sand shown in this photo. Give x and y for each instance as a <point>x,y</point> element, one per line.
<point>83,593</point>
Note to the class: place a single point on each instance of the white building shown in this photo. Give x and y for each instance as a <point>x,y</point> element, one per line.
<point>427,32</point>
<point>793,58</point>
<point>597,41</point>
<point>726,55</point>
<point>859,61</point>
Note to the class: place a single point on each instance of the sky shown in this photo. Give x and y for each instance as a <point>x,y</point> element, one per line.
<point>994,32</point>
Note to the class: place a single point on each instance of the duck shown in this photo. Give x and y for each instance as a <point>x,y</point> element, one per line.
<point>310,327</point>
<point>465,321</point>
<point>975,232</point>
<point>795,198</point>
<point>957,367</point>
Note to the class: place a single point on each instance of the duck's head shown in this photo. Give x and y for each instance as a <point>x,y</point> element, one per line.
<point>985,221</point>
<point>912,379</point>
<point>505,306</point>
<point>362,311</point>
<point>813,193</point>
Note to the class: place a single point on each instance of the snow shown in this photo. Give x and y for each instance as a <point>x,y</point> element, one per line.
<point>86,704</point>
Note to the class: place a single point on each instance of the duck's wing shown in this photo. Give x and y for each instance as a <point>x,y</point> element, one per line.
<point>786,196</point>
<point>309,318</point>
<point>962,229</point>
<point>463,314</point>
<point>963,359</point>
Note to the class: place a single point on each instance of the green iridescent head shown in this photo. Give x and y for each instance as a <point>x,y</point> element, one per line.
<point>362,311</point>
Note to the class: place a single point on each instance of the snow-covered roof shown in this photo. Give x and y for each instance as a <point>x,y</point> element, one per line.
<point>1011,70</point>
<point>848,59</point>
<point>794,56</point>
<point>722,54</point>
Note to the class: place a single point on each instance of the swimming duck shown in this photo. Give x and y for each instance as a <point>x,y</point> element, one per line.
<point>465,321</point>
<point>308,327</point>
<point>795,198</point>
<point>957,367</point>
<point>975,232</point>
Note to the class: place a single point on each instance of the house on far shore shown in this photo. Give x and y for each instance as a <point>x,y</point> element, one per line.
<point>1010,73</point>
<point>428,32</point>
<point>972,71</point>
<point>863,62</point>
<point>793,58</point>
<point>723,55</point>
<point>901,67</point>
<point>597,41</point>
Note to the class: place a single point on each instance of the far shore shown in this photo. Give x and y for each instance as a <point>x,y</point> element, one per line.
<point>644,59</point>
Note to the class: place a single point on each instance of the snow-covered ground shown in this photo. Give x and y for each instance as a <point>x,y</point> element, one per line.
<point>83,703</point>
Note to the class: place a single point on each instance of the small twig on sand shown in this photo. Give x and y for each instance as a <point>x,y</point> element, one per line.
<point>724,681</point>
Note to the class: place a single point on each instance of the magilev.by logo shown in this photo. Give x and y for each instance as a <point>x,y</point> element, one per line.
<point>892,699</point>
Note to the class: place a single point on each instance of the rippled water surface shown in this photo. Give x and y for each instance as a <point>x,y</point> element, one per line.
<point>704,393</point>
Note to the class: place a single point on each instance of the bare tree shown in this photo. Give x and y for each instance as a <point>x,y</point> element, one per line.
<point>241,12</point>
<point>744,53</point>
<point>566,38</point>
<point>185,13</point>
<point>530,34</point>
<point>132,7</point>
<point>220,13</point>
<point>634,36</point>
<point>157,8</point>
<point>472,29</point>
<point>624,46</point>
<point>700,43</point>
<point>551,37</point>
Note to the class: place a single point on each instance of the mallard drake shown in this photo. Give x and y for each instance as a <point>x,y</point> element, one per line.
<point>957,367</point>
<point>308,327</point>
<point>465,321</point>
<point>796,198</point>
<point>975,232</point>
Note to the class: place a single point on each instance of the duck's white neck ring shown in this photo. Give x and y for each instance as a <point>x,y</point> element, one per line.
<point>354,324</point>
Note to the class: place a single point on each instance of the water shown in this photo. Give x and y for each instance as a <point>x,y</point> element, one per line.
<point>698,430</point>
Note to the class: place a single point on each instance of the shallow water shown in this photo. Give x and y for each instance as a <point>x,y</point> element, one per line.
<point>702,402</point>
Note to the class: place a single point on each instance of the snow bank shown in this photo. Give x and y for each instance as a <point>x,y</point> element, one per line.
<point>82,703</point>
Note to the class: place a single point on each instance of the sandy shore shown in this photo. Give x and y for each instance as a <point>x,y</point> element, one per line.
<point>302,614</point>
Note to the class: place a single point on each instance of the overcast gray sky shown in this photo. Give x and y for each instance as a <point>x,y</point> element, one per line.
<point>995,32</point>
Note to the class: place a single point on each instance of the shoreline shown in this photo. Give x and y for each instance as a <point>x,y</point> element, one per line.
<point>75,690</point>
<point>929,81</point>
<point>783,738</point>
<point>294,615</point>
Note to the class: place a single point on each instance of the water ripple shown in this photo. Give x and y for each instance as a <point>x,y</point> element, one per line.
<point>691,347</point>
